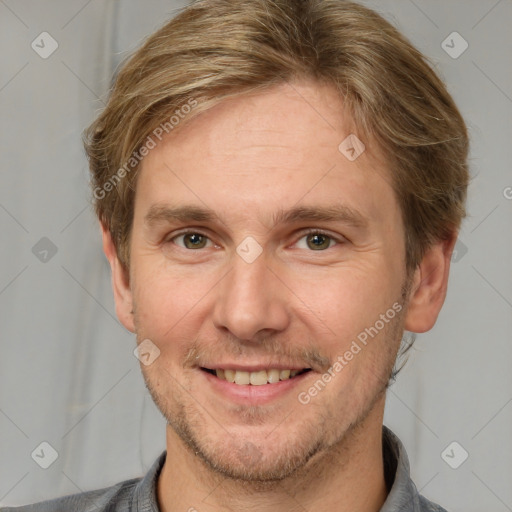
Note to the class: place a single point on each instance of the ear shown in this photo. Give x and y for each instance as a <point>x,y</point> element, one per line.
<point>428,290</point>
<point>120,282</point>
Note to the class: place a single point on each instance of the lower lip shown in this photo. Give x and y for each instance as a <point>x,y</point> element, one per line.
<point>253,395</point>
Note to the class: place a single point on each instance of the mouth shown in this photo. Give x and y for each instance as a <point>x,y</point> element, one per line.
<point>255,378</point>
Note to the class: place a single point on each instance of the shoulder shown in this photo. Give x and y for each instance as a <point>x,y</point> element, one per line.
<point>428,506</point>
<point>111,499</point>
<point>127,496</point>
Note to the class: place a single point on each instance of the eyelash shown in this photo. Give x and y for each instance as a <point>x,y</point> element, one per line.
<point>310,231</point>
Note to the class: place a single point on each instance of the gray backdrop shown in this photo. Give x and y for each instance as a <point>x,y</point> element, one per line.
<point>68,376</point>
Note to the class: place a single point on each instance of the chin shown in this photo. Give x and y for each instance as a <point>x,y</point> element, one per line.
<point>251,453</point>
<point>248,462</point>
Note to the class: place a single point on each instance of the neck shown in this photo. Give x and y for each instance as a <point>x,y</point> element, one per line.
<point>348,477</point>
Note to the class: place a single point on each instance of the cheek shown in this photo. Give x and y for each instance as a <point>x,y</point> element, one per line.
<point>343,302</point>
<point>166,301</point>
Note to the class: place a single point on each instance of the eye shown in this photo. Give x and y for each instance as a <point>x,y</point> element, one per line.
<point>191,240</point>
<point>316,241</point>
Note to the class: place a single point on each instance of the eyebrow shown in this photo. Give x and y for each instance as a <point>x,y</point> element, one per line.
<point>336,213</point>
<point>159,213</point>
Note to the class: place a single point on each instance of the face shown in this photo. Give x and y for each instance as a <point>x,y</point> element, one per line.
<point>261,254</point>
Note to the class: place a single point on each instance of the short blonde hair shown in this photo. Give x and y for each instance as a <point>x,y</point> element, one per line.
<point>216,49</point>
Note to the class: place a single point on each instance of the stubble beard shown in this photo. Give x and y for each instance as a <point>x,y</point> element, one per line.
<point>240,460</point>
<point>299,454</point>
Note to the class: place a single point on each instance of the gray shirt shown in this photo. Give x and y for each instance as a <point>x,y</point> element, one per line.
<point>139,494</point>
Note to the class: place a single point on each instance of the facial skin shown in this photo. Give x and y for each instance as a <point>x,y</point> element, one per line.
<point>247,161</point>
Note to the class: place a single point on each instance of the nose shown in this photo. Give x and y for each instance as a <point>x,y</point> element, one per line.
<point>251,302</point>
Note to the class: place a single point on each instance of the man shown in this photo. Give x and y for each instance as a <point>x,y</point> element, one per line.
<point>280,185</point>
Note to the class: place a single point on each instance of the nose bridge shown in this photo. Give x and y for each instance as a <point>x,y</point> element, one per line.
<point>249,300</point>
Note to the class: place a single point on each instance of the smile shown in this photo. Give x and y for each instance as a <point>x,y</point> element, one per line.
<point>255,378</point>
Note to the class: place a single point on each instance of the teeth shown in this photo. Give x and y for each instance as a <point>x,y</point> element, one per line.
<point>229,375</point>
<point>273,376</point>
<point>242,378</point>
<point>256,378</point>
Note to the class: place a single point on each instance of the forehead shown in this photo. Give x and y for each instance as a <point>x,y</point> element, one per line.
<point>262,152</point>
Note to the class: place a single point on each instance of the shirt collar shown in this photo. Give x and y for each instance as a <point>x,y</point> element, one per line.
<point>144,497</point>
<point>403,495</point>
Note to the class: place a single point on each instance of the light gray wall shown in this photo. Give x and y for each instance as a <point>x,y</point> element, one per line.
<point>67,373</point>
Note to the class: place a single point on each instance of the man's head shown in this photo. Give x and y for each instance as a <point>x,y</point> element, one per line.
<point>246,233</point>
